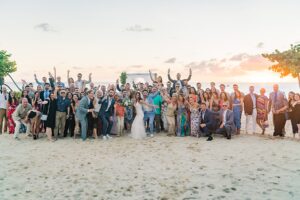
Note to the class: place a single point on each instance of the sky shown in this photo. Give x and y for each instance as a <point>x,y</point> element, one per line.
<point>220,41</point>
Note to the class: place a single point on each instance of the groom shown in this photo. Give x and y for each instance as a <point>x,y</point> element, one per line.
<point>106,113</point>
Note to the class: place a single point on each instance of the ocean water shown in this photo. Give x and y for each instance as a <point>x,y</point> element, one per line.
<point>244,87</point>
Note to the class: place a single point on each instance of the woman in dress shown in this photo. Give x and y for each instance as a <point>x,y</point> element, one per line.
<point>206,99</point>
<point>158,80</point>
<point>74,106</point>
<point>223,98</point>
<point>170,113</point>
<point>128,103</point>
<point>138,129</point>
<point>182,117</point>
<point>164,107</point>
<point>214,106</point>
<point>237,107</point>
<point>50,110</point>
<point>291,112</point>
<point>12,104</point>
<point>193,94</point>
<point>262,104</point>
<point>195,117</point>
<point>70,122</point>
<point>296,112</point>
<point>92,120</point>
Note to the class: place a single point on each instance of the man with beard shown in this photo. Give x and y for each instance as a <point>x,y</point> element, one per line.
<point>106,113</point>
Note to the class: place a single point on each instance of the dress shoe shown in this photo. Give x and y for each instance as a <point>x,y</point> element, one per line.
<point>209,138</point>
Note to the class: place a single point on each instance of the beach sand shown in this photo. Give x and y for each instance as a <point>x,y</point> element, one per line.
<point>246,167</point>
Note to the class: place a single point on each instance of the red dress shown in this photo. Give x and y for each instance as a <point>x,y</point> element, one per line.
<point>10,122</point>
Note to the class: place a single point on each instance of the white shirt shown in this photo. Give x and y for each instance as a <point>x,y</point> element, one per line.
<point>3,101</point>
<point>109,103</point>
<point>97,106</point>
<point>79,84</point>
<point>253,100</point>
<point>224,117</point>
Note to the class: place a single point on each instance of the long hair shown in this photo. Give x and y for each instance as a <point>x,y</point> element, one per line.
<point>10,98</point>
<point>140,96</point>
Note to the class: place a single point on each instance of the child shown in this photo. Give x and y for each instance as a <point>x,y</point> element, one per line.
<point>119,113</point>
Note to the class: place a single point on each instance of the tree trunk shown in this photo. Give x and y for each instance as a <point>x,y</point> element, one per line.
<point>1,81</point>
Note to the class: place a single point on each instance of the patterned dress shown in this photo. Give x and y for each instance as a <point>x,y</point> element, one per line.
<point>182,121</point>
<point>10,122</point>
<point>261,104</point>
<point>195,122</point>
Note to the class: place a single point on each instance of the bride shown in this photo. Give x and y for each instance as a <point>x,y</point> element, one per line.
<point>138,129</point>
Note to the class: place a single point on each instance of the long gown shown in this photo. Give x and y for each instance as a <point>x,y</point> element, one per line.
<point>138,129</point>
<point>195,122</point>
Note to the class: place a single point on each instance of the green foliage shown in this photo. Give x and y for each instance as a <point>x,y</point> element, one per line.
<point>123,78</point>
<point>6,65</point>
<point>287,62</point>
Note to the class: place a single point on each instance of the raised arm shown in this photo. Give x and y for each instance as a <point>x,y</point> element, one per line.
<point>54,69</point>
<point>190,75</point>
<point>90,79</point>
<point>68,77</point>
<point>169,77</point>
<point>118,86</point>
<point>36,80</point>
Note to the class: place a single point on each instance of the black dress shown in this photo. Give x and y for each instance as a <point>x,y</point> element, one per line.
<point>51,112</point>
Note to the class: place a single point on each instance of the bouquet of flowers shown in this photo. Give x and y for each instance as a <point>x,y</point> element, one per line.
<point>127,102</point>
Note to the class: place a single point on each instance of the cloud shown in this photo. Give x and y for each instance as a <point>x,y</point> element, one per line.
<point>260,45</point>
<point>237,65</point>
<point>135,66</point>
<point>138,28</point>
<point>239,57</point>
<point>171,60</point>
<point>45,27</point>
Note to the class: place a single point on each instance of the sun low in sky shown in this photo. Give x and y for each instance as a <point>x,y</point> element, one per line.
<point>219,40</point>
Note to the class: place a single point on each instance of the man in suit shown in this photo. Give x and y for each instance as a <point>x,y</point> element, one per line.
<point>106,113</point>
<point>179,81</point>
<point>227,127</point>
<point>206,123</point>
<point>81,112</point>
<point>45,94</point>
<point>250,109</point>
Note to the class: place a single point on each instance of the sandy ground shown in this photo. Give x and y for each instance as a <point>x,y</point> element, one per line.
<point>246,167</point>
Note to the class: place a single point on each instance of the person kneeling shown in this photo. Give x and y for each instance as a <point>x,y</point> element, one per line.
<point>227,127</point>
<point>20,117</point>
<point>206,123</point>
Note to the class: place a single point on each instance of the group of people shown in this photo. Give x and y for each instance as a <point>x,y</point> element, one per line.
<point>142,109</point>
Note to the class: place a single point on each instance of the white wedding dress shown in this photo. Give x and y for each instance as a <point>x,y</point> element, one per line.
<point>138,129</point>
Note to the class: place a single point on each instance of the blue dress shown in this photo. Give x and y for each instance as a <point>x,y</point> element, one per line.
<point>237,111</point>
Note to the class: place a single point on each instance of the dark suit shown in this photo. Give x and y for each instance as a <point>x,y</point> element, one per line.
<point>248,104</point>
<point>105,113</point>
<point>42,96</point>
<point>229,128</point>
<point>206,118</point>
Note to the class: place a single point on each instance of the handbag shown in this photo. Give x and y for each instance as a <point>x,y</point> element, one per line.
<point>45,116</point>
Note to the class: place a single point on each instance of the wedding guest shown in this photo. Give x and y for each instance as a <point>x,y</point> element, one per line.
<point>37,102</point>
<point>164,107</point>
<point>157,101</point>
<point>12,104</point>
<point>295,118</point>
<point>92,119</point>
<point>3,109</point>
<point>149,111</point>
<point>279,105</point>
<point>71,81</point>
<point>169,88</point>
<point>206,99</point>
<point>237,108</point>
<point>178,79</point>
<point>70,121</point>
<point>128,103</point>
<point>235,89</point>
<point>213,88</point>
<point>182,117</point>
<point>79,83</point>
<point>158,79</point>
<point>44,80</point>
<point>195,117</point>
<point>49,111</point>
<point>222,89</point>
<point>46,92</point>
<point>200,91</point>
<point>59,82</point>
<point>223,98</point>
<point>106,113</point>
<point>25,95</point>
<point>170,113</point>
<point>214,102</point>
<point>193,94</point>
<point>206,122</point>
<point>62,113</point>
<point>83,110</point>
<point>291,112</point>
<point>75,105</point>
<point>34,117</point>
<point>119,113</point>
<point>20,117</point>
<point>227,127</point>
<point>250,109</point>
<point>262,104</point>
